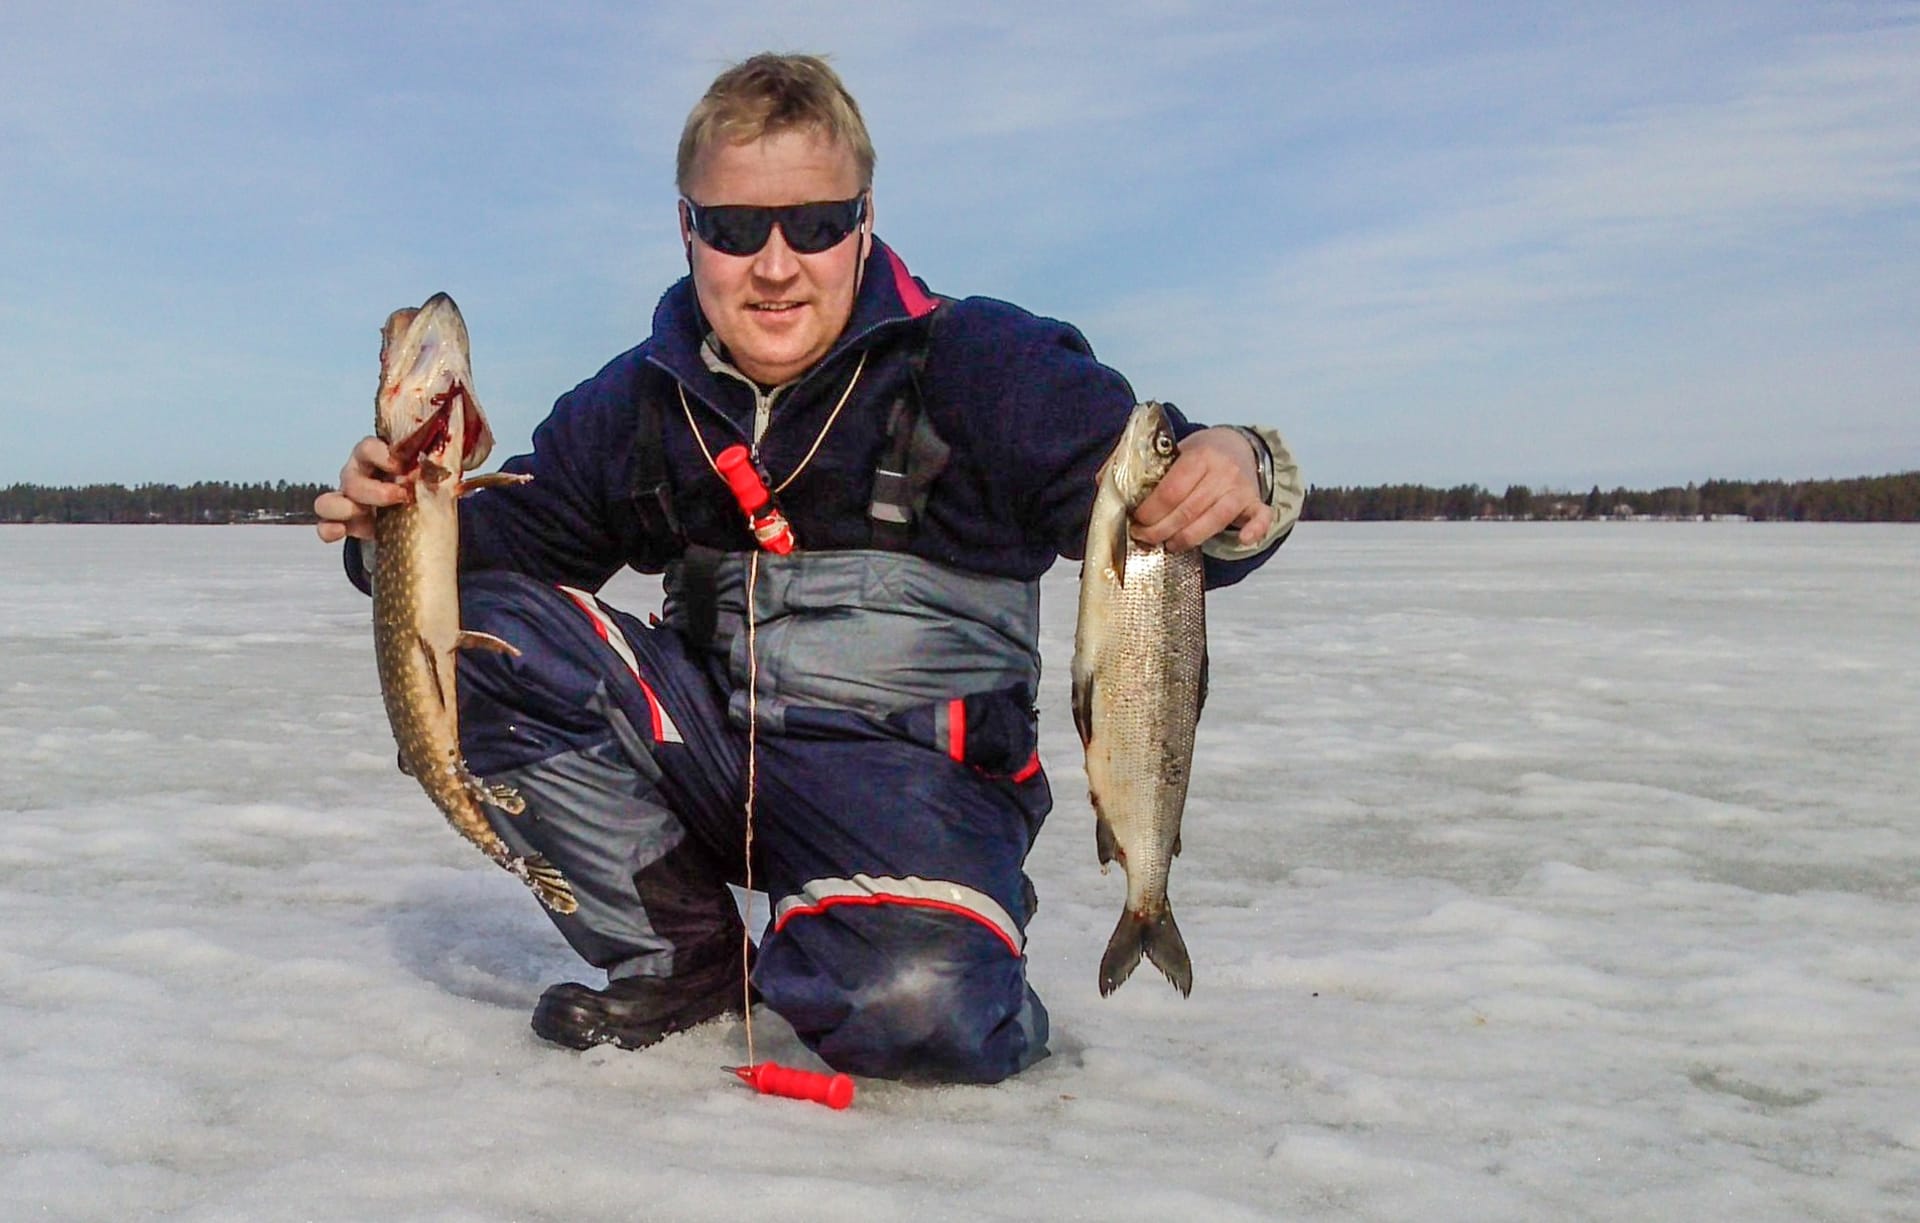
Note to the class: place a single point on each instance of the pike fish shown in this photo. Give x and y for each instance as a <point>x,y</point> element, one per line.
<point>425,411</point>
<point>1139,679</point>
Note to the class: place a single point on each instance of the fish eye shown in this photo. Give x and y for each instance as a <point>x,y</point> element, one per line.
<point>1163,443</point>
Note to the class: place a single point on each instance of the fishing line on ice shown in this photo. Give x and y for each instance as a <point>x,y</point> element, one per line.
<point>753,726</point>
<point>737,468</point>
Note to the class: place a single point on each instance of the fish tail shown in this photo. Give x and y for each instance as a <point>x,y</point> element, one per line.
<point>547,883</point>
<point>1151,934</point>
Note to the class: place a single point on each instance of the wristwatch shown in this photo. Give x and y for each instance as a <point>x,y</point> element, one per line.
<point>1262,459</point>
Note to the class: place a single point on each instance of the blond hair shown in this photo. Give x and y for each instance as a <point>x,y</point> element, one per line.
<point>766,95</point>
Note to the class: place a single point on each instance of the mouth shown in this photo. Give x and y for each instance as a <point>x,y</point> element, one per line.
<point>430,434</point>
<point>779,307</point>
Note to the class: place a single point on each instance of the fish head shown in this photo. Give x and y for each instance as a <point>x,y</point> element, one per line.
<point>1146,451</point>
<point>425,408</point>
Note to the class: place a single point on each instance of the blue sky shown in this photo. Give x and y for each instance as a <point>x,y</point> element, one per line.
<point>1546,244</point>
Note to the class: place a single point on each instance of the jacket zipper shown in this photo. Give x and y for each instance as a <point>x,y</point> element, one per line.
<point>762,402</point>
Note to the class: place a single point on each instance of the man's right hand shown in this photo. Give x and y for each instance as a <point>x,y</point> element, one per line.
<point>369,480</point>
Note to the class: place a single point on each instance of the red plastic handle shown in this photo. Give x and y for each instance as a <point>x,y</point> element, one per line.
<point>773,1079</point>
<point>769,525</point>
<point>735,465</point>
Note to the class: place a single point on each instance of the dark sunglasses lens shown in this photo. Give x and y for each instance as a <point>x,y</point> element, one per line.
<point>812,228</point>
<point>742,229</point>
<point>734,229</point>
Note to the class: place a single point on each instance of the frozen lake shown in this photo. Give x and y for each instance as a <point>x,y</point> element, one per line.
<point>1557,871</point>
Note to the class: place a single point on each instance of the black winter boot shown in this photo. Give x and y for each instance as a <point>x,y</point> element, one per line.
<point>634,1012</point>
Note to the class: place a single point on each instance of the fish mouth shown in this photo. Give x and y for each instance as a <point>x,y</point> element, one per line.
<point>430,367</point>
<point>431,434</point>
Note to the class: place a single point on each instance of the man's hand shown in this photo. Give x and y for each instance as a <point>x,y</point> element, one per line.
<point>1213,484</point>
<point>370,479</point>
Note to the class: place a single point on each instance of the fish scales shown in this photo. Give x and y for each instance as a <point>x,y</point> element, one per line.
<point>1139,676</point>
<point>425,411</point>
<point>1155,655</point>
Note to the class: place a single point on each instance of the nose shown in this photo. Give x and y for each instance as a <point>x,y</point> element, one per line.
<point>776,260</point>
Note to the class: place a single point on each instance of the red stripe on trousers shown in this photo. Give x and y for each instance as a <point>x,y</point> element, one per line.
<point>916,902</point>
<point>646,690</point>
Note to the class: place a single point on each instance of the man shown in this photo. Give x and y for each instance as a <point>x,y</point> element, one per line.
<point>933,458</point>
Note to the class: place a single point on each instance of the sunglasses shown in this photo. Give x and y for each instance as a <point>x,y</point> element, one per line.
<point>742,229</point>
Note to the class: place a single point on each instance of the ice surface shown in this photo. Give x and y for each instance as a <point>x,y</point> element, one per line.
<point>1531,872</point>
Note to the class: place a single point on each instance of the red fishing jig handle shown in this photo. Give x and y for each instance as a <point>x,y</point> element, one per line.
<point>772,1079</point>
<point>770,527</point>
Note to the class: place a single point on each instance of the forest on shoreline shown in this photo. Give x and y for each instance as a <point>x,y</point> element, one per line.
<point>1892,498</point>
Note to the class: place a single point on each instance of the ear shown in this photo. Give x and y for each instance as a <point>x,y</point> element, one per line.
<point>866,229</point>
<point>686,227</point>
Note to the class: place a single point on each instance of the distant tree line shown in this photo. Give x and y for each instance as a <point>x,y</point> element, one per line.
<point>1870,499</point>
<point>206,501</point>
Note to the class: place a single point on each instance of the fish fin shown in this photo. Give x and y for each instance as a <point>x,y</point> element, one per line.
<point>1083,708</point>
<point>1117,556</point>
<point>1123,952</point>
<point>492,793</point>
<point>1167,951</point>
<point>547,883</point>
<point>432,474</point>
<point>1153,935</point>
<point>1104,842</point>
<point>400,758</point>
<point>470,640</point>
<point>493,479</point>
<point>505,797</point>
<point>433,669</point>
<point>1176,844</point>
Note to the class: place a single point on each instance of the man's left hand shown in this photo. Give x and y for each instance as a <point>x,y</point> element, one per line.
<point>1213,484</point>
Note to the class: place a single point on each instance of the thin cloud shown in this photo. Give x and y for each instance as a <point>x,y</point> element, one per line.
<point>1389,222</point>
<point>1799,176</point>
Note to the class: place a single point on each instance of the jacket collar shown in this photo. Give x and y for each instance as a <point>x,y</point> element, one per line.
<point>889,296</point>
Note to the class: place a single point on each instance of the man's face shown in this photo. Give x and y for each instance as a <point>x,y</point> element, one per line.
<point>777,311</point>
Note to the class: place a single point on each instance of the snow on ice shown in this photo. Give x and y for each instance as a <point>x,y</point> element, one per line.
<point>1558,871</point>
